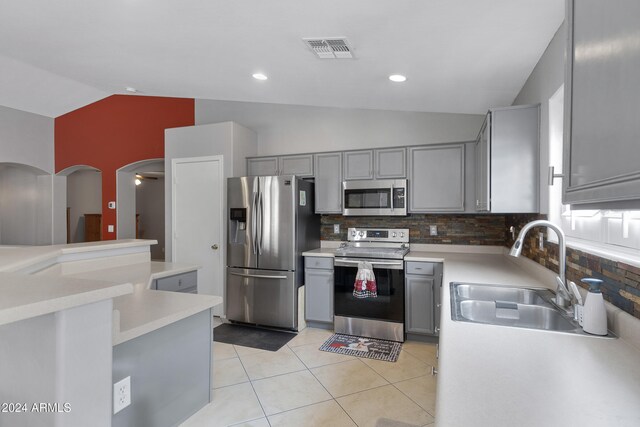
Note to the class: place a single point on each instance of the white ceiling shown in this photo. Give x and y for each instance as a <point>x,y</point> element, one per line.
<point>459,56</point>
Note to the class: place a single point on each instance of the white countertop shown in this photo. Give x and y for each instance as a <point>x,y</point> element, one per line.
<point>137,309</point>
<point>18,258</point>
<point>321,252</point>
<point>498,376</point>
<point>27,296</point>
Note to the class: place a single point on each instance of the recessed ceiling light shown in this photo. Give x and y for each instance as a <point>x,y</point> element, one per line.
<point>259,76</point>
<point>398,78</point>
<point>131,89</point>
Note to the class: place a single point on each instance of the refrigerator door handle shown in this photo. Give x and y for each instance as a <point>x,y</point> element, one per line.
<point>253,222</point>
<point>260,222</point>
<point>257,276</point>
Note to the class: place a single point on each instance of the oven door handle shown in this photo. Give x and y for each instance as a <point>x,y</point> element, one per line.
<point>349,262</point>
<point>391,197</point>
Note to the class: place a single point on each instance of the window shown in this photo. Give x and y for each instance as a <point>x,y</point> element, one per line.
<point>608,230</point>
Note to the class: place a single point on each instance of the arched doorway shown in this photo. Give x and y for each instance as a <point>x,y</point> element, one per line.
<point>25,205</point>
<point>83,203</point>
<point>140,203</point>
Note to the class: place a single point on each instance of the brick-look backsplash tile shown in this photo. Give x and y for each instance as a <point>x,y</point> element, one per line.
<point>621,281</point>
<point>452,229</point>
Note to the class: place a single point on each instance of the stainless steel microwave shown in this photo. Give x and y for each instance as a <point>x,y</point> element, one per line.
<point>386,197</point>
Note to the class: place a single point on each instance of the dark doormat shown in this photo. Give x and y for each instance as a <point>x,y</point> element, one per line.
<point>370,348</point>
<point>248,336</point>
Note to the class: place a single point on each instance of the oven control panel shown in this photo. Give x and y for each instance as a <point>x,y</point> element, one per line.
<point>399,235</point>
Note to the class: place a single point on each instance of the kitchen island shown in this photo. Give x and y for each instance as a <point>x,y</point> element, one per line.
<point>491,376</point>
<point>74,319</point>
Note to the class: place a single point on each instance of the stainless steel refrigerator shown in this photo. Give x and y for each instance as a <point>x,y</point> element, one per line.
<point>271,221</point>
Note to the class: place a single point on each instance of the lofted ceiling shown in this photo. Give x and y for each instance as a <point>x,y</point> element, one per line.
<point>459,56</point>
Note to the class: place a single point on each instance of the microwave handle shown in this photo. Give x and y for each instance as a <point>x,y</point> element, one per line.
<point>392,197</point>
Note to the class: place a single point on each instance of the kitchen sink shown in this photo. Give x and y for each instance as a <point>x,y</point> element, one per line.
<point>517,315</point>
<point>530,308</point>
<point>503,293</point>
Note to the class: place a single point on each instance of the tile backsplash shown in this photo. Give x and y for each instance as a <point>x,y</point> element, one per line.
<point>621,285</point>
<point>621,281</point>
<point>452,229</point>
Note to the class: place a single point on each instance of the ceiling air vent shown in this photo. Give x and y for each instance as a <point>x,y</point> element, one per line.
<point>329,47</point>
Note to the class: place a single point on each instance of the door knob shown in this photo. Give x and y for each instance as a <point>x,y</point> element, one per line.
<point>214,247</point>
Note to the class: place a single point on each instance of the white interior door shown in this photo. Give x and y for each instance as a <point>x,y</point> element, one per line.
<point>197,195</point>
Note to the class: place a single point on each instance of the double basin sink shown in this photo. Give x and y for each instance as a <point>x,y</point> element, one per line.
<point>530,308</point>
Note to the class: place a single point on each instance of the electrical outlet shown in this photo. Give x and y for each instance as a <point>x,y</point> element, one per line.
<point>121,394</point>
<point>540,240</point>
<point>433,230</point>
<point>110,228</point>
<point>336,228</point>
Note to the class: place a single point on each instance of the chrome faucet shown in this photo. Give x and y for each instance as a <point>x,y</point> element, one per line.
<point>563,296</point>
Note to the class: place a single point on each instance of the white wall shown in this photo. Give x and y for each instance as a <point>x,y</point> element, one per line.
<point>228,139</point>
<point>545,79</point>
<point>286,129</point>
<point>150,206</point>
<point>26,138</point>
<point>25,206</point>
<point>84,196</point>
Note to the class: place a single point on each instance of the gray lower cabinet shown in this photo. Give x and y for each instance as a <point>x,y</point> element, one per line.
<point>185,282</point>
<point>423,281</point>
<point>318,295</point>
<point>437,178</point>
<point>328,182</point>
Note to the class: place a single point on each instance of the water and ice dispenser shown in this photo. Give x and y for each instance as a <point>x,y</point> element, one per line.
<point>237,225</point>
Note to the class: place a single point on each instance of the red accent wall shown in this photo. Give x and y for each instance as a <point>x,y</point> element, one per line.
<point>115,132</point>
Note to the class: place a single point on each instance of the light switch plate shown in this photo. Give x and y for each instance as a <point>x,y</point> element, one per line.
<point>433,230</point>
<point>110,228</point>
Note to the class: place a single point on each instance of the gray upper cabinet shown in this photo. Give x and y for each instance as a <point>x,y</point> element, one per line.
<point>328,182</point>
<point>358,164</point>
<point>299,165</point>
<point>390,163</point>
<point>602,100</point>
<point>508,160</point>
<point>437,178</point>
<point>262,166</point>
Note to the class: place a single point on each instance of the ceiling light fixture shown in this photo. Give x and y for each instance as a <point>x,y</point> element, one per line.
<point>397,78</point>
<point>138,181</point>
<point>259,76</point>
<point>131,89</point>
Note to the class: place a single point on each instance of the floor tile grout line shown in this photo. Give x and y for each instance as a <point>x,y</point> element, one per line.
<point>254,391</point>
<point>409,397</point>
<point>300,407</point>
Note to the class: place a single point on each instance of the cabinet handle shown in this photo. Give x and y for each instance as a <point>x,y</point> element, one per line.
<point>438,305</point>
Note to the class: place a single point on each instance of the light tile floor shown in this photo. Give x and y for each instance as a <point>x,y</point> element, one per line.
<point>302,386</point>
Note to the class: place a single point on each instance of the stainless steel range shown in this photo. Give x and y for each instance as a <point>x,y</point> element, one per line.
<point>381,316</point>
